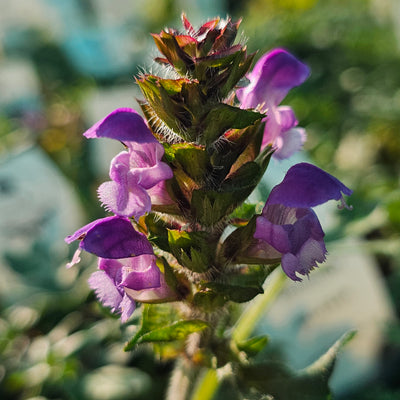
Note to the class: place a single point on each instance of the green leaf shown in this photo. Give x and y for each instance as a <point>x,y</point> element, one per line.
<point>208,300</point>
<point>279,381</point>
<point>210,206</point>
<point>162,323</point>
<point>192,249</point>
<point>325,364</point>
<point>154,316</point>
<point>217,61</point>
<point>167,109</point>
<point>244,180</point>
<point>240,285</point>
<point>176,331</point>
<point>173,278</point>
<point>238,70</point>
<point>254,345</point>
<point>172,86</point>
<point>239,147</point>
<point>191,158</point>
<point>236,293</point>
<point>237,241</point>
<point>168,45</point>
<point>245,211</point>
<point>253,275</point>
<point>182,186</point>
<point>158,233</point>
<point>219,119</point>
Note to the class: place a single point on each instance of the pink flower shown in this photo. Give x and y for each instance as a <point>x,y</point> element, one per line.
<point>289,227</point>
<point>273,76</point>
<point>135,171</point>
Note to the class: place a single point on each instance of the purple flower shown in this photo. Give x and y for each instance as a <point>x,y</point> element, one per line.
<point>135,171</point>
<point>115,277</point>
<point>273,76</point>
<point>289,226</point>
<point>111,237</point>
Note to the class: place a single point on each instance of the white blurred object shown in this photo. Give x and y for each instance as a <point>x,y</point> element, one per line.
<point>18,82</point>
<point>37,203</point>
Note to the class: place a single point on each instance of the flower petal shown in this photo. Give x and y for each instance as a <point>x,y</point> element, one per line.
<point>80,233</point>
<point>273,234</point>
<point>112,237</point>
<point>144,273</point>
<point>149,177</point>
<point>126,307</point>
<point>305,185</point>
<point>105,289</point>
<point>312,251</point>
<point>159,194</point>
<point>124,201</point>
<point>278,121</point>
<point>157,295</point>
<point>289,142</point>
<point>123,124</point>
<point>273,76</point>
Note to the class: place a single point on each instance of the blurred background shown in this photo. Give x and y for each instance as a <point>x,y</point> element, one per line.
<point>66,64</point>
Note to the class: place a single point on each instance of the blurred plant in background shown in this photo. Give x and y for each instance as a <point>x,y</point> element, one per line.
<point>53,340</point>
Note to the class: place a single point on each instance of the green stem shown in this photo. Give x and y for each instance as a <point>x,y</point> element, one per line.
<point>207,386</point>
<point>208,382</point>
<point>256,309</point>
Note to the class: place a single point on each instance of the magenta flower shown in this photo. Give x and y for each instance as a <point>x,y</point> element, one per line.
<point>116,277</point>
<point>289,226</point>
<point>135,171</point>
<point>111,237</point>
<point>273,76</point>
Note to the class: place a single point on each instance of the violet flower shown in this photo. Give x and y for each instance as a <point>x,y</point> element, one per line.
<point>273,76</point>
<point>134,171</point>
<point>115,277</point>
<point>289,226</point>
<point>111,237</point>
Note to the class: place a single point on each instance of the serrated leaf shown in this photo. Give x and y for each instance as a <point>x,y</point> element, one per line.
<point>171,279</point>
<point>199,261</point>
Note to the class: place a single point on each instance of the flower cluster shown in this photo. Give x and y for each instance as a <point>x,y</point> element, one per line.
<point>188,167</point>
